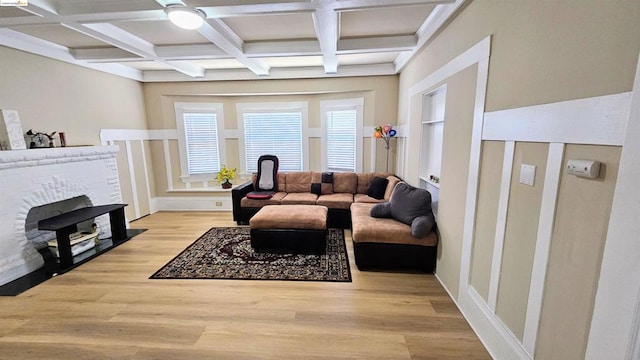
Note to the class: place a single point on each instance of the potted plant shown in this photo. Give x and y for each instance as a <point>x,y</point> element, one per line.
<point>225,175</point>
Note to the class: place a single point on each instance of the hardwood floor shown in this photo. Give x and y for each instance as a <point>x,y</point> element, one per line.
<point>109,309</point>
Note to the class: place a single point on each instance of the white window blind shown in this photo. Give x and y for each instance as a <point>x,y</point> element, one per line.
<point>276,133</point>
<point>201,136</point>
<point>341,140</point>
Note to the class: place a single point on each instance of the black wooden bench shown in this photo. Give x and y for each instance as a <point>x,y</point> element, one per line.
<point>66,224</point>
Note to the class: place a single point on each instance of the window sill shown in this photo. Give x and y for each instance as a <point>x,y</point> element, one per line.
<point>204,189</point>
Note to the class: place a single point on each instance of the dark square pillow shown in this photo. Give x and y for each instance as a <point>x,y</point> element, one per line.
<point>316,188</point>
<point>377,188</point>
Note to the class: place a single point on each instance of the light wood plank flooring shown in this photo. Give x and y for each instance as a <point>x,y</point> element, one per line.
<point>109,309</point>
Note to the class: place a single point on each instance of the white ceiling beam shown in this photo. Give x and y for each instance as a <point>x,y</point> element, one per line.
<point>346,5</point>
<point>117,37</point>
<point>221,35</point>
<point>112,35</point>
<point>377,44</point>
<point>251,50</point>
<point>30,44</point>
<point>228,41</point>
<point>438,17</point>
<point>325,20</point>
<point>275,73</point>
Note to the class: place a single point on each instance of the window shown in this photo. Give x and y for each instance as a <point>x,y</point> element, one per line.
<point>274,129</point>
<point>342,127</point>
<point>199,128</point>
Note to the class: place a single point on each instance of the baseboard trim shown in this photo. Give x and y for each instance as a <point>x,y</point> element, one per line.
<point>187,203</point>
<point>493,334</point>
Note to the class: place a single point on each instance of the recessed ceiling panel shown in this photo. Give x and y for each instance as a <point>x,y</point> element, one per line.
<point>161,32</point>
<point>272,27</point>
<point>293,61</point>
<point>367,59</point>
<point>70,7</point>
<point>12,11</point>
<point>61,35</point>
<point>215,64</point>
<point>387,21</point>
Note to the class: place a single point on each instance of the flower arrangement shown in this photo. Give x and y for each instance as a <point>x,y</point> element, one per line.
<point>384,132</point>
<point>225,175</point>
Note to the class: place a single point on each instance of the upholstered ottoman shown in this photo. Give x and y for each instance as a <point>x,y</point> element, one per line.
<point>294,228</point>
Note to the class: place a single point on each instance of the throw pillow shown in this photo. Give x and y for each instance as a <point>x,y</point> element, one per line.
<point>377,188</point>
<point>325,186</point>
<point>409,202</point>
<point>411,206</point>
<point>382,210</point>
<point>316,188</point>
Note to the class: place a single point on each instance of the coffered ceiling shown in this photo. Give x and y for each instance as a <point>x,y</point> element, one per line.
<point>241,39</point>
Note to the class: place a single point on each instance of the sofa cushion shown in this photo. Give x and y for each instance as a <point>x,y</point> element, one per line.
<point>282,181</point>
<point>299,199</point>
<point>393,181</point>
<point>366,229</point>
<point>298,182</point>
<point>345,182</point>
<point>336,201</point>
<point>322,183</point>
<point>378,187</point>
<point>275,200</point>
<point>365,179</point>
<point>362,198</point>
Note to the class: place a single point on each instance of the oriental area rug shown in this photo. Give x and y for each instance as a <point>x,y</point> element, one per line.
<point>226,253</point>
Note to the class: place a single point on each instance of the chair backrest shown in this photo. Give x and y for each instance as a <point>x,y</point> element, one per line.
<point>267,173</point>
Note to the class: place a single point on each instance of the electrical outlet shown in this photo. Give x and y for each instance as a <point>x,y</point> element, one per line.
<point>218,203</point>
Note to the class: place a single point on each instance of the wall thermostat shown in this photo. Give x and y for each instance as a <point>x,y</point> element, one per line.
<point>584,168</point>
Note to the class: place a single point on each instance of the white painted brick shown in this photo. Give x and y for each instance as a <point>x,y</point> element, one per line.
<point>37,177</point>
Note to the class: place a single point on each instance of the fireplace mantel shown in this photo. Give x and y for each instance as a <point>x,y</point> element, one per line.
<point>35,177</point>
<point>50,156</point>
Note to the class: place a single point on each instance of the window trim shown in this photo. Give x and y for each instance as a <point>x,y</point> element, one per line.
<point>302,106</point>
<point>181,108</point>
<point>328,105</point>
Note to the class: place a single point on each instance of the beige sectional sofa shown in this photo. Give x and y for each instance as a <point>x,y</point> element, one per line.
<point>294,188</point>
<point>378,242</point>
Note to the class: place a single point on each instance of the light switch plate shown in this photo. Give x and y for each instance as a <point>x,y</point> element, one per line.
<point>527,174</point>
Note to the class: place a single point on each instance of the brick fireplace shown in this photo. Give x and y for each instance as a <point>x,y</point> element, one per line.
<point>37,177</point>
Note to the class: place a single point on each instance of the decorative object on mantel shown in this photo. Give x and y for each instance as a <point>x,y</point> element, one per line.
<point>63,139</point>
<point>225,175</point>
<point>11,137</point>
<point>385,132</point>
<point>40,140</point>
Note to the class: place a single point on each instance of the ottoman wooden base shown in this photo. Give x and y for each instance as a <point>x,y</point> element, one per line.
<point>291,240</point>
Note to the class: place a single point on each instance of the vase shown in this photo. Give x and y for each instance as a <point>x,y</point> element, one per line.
<point>227,184</point>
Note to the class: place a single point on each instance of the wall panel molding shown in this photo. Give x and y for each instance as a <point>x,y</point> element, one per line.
<point>543,245</point>
<point>600,120</point>
<point>501,224</point>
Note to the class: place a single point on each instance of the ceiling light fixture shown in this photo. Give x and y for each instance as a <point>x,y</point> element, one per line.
<point>185,17</point>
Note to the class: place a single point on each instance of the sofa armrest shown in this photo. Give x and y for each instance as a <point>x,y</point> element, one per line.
<point>236,196</point>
